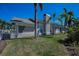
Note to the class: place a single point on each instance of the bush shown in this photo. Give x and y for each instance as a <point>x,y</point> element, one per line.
<point>73,34</point>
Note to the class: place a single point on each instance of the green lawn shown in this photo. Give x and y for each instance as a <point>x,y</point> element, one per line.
<point>44,46</point>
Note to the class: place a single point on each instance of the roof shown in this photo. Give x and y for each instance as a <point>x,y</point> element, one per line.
<point>47,18</point>
<point>27,21</point>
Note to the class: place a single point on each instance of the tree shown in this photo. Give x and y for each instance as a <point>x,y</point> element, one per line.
<point>70,13</point>
<point>53,16</point>
<point>65,15</point>
<point>1,22</point>
<point>36,7</point>
<point>68,18</point>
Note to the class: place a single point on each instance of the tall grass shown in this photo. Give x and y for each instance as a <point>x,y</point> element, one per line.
<point>44,46</point>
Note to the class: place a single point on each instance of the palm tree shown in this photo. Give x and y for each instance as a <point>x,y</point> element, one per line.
<point>65,15</point>
<point>36,7</point>
<point>1,22</point>
<point>70,18</point>
<point>53,16</point>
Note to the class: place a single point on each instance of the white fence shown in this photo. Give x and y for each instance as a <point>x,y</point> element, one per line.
<point>23,34</point>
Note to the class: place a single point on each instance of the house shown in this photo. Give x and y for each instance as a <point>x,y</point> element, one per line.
<point>55,28</point>
<point>23,27</point>
<point>46,24</point>
<point>50,27</point>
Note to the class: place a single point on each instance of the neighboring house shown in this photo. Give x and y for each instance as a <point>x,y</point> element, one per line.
<point>46,25</point>
<point>50,27</point>
<point>55,28</point>
<point>23,27</point>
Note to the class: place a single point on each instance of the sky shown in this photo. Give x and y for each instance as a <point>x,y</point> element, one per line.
<point>26,10</point>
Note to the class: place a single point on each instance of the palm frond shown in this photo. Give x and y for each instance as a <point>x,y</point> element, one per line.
<point>41,6</point>
<point>35,4</point>
<point>65,10</point>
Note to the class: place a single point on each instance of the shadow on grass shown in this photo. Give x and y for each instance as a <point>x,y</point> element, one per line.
<point>66,42</point>
<point>61,41</point>
<point>47,36</point>
<point>31,38</point>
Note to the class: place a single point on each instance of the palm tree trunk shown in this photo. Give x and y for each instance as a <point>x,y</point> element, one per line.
<point>44,25</point>
<point>53,30</point>
<point>35,6</point>
<point>35,22</point>
<point>61,27</point>
<point>69,22</point>
<point>65,23</point>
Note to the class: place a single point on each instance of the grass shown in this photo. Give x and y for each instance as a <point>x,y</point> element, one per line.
<point>44,46</point>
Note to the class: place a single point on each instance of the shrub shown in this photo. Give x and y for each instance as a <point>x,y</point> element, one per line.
<point>73,34</point>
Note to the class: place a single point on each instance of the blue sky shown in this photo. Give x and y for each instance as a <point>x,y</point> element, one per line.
<point>26,10</point>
